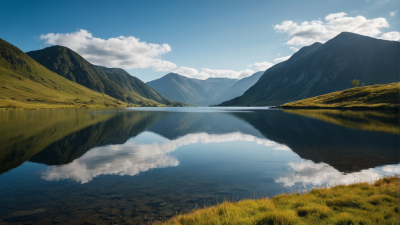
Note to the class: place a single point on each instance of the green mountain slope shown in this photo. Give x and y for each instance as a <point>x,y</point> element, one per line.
<point>24,83</point>
<point>112,81</point>
<point>374,96</point>
<point>323,68</point>
<point>190,90</point>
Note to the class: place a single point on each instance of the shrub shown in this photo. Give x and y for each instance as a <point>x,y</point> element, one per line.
<point>355,83</point>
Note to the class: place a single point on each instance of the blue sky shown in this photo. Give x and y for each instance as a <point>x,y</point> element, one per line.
<point>194,38</point>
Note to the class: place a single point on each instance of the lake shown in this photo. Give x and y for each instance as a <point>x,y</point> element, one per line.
<point>139,165</point>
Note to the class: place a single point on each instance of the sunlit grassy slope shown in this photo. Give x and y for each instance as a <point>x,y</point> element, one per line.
<point>26,84</point>
<point>379,121</point>
<point>114,82</point>
<point>359,203</point>
<point>374,96</point>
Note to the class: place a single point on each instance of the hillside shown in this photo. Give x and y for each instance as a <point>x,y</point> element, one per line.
<point>239,87</point>
<point>27,84</point>
<point>189,90</point>
<point>112,81</point>
<point>323,68</point>
<point>374,96</point>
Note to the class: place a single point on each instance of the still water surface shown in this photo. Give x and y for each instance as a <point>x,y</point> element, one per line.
<point>139,165</point>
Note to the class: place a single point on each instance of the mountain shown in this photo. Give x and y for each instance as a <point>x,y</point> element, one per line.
<point>220,85</point>
<point>24,83</point>
<point>112,81</point>
<point>190,90</point>
<point>323,68</point>
<point>239,87</point>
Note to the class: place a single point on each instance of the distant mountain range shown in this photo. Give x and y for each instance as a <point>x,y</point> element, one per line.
<point>190,90</point>
<point>323,68</point>
<point>112,81</point>
<point>202,92</point>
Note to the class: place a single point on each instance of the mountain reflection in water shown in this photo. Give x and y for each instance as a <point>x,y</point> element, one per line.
<point>169,160</point>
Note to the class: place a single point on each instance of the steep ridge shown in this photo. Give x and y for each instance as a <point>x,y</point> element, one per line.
<point>190,90</point>
<point>239,87</point>
<point>27,84</point>
<point>320,69</point>
<point>112,81</point>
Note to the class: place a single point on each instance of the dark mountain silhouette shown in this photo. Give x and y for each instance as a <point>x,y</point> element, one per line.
<point>323,68</point>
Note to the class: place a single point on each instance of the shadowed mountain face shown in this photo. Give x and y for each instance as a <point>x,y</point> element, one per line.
<point>323,68</point>
<point>190,90</point>
<point>112,81</point>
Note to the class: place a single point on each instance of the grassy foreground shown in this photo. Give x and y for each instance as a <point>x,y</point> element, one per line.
<point>358,203</point>
<point>374,96</point>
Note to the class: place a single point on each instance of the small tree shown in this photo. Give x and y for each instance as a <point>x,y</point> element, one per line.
<point>355,83</point>
<point>362,84</point>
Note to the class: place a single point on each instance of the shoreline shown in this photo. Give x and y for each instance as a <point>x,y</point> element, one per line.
<point>357,203</point>
<point>339,108</point>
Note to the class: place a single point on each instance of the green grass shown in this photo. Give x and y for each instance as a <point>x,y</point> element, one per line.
<point>358,203</point>
<point>374,96</point>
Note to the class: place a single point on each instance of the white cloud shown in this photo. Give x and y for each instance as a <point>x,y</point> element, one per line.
<point>278,54</point>
<point>186,71</point>
<point>266,65</point>
<point>281,59</point>
<point>210,73</point>
<point>122,52</point>
<point>393,13</point>
<point>263,65</point>
<point>335,15</point>
<point>131,158</point>
<point>294,49</point>
<point>307,32</point>
<point>391,36</point>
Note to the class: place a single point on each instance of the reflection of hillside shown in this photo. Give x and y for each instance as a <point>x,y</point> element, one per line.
<point>379,121</point>
<point>114,131</point>
<point>344,149</point>
<point>25,133</point>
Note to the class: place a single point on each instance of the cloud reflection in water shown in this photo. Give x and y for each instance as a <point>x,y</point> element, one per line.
<point>131,158</point>
<point>307,172</point>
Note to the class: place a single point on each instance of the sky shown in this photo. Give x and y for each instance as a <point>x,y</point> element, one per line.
<point>198,39</point>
